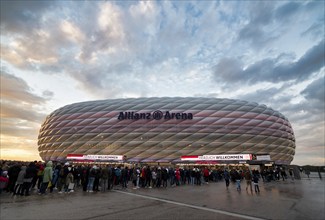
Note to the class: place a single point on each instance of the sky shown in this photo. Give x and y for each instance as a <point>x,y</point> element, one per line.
<point>54,53</point>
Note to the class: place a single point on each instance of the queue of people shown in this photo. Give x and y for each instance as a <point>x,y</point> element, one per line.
<point>22,179</point>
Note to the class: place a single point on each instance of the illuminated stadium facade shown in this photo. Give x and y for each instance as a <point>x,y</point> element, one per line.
<point>166,129</point>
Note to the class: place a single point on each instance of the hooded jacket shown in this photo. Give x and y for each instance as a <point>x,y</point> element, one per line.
<point>21,175</point>
<point>48,172</point>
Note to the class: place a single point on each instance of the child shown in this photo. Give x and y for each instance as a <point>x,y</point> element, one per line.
<point>255,180</point>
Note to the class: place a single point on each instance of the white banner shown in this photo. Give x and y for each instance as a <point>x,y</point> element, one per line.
<point>94,157</point>
<point>226,157</point>
<point>103,157</point>
<point>218,157</point>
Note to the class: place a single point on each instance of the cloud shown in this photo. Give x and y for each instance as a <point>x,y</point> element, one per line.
<point>22,16</point>
<point>16,90</point>
<point>302,104</point>
<point>287,10</point>
<point>107,36</point>
<point>9,110</point>
<point>315,91</point>
<point>265,96</point>
<point>21,109</point>
<point>110,80</point>
<point>71,31</point>
<point>268,21</point>
<point>48,94</point>
<point>33,50</point>
<point>315,31</point>
<point>22,128</point>
<point>232,70</point>
<point>253,32</point>
<point>315,95</point>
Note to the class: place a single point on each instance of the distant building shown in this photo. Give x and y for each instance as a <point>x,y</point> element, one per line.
<point>166,130</point>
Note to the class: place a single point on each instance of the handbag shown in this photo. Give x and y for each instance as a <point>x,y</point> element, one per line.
<point>71,186</point>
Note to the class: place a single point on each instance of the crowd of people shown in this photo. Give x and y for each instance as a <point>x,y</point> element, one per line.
<point>23,178</point>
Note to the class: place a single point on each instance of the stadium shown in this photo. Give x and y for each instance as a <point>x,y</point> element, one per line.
<point>167,130</point>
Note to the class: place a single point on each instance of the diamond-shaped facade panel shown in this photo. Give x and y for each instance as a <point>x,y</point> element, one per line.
<point>164,129</point>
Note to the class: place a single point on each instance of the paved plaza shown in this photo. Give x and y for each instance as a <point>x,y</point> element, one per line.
<point>298,199</point>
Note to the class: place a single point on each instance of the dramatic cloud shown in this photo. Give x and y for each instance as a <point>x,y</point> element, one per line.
<point>315,91</point>
<point>16,90</point>
<point>270,70</point>
<point>315,97</point>
<point>21,16</point>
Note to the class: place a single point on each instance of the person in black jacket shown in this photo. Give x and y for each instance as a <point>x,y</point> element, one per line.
<point>237,177</point>
<point>13,175</point>
<point>30,174</point>
<point>148,178</point>
<point>164,177</point>
<point>62,177</point>
<point>84,177</point>
<point>96,181</point>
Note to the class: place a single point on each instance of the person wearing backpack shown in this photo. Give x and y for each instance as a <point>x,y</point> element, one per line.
<point>117,173</point>
<point>104,178</point>
<point>30,174</point>
<point>248,178</point>
<point>62,177</point>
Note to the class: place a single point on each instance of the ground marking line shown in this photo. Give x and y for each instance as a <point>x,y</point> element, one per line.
<point>193,206</point>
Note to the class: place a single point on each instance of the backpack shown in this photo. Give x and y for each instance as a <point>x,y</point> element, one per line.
<point>61,174</point>
<point>118,172</point>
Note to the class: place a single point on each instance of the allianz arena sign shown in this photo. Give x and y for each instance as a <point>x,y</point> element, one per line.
<point>156,115</point>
